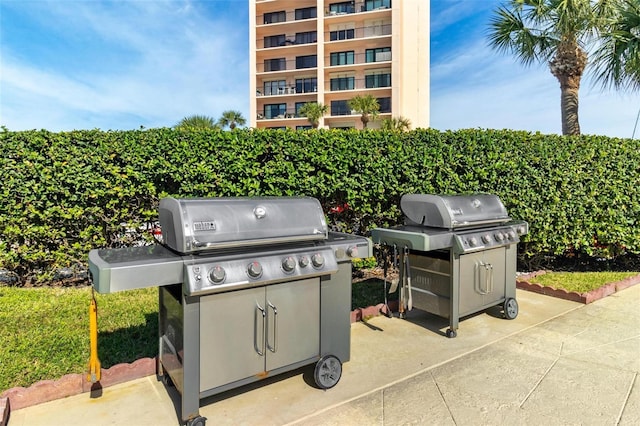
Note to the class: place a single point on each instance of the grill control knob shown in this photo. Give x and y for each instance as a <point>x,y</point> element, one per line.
<point>254,269</point>
<point>473,241</point>
<point>317,260</point>
<point>511,235</point>
<point>499,236</point>
<point>486,238</point>
<point>288,264</point>
<point>217,274</point>
<point>352,251</point>
<point>304,262</point>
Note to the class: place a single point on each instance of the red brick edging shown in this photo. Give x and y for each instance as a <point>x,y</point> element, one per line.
<point>73,384</point>
<point>585,298</point>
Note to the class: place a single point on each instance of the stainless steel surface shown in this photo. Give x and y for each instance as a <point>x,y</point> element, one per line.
<point>461,254</point>
<point>453,211</point>
<point>242,270</point>
<point>249,288</point>
<point>265,329</point>
<point>130,268</point>
<point>196,224</point>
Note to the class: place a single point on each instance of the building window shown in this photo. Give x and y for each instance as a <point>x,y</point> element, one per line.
<point>278,64</point>
<point>385,105</point>
<point>378,55</point>
<point>304,127</point>
<point>342,7</point>
<point>342,34</point>
<point>342,58</point>
<point>377,4</point>
<point>274,41</point>
<point>340,108</point>
<point>306,85</point>
<point>277,128</point>
<point>275,110</point>
<point>343,83</point>
<point>276,87</point>
<point>308,61</point>
<point>298,106</point>
<point>306,37</point>
<point>306,13</point>
<point>372,81</point>
<point>275,17</point>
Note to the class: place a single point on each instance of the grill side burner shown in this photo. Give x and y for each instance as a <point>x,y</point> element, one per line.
<point>248,288</point>
<point>460,254</point>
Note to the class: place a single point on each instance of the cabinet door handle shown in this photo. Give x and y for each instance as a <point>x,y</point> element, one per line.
<point>259,349</point>
<point>275,329</point>
<point>489,285</point>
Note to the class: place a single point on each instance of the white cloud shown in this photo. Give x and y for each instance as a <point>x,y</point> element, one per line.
<point>179,61</point>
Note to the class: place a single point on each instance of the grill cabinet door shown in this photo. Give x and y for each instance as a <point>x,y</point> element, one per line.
<point>293,322</point>
<point>231,334</point>
<point>482,280</point>
<point>233,342</point>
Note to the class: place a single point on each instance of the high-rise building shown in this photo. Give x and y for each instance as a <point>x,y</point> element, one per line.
<point>329,51</point>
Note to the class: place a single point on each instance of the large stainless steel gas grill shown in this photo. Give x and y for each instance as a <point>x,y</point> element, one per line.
<point>458,255</point>
<point>249,288</point>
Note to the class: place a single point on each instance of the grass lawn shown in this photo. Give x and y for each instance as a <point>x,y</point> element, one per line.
<point>580,282</point>
<point>45,331</point>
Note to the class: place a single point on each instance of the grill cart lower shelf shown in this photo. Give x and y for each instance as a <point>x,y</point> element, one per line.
<point>451,285</point>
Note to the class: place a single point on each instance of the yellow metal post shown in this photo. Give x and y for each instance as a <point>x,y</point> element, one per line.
<point>94,362</point>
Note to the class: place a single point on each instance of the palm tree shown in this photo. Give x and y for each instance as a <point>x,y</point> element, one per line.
<point>367,105</point>
<point>196,122</point>
<point>396,123</point>
<point>560,33</point>
<point>231,119</point>
<point>618,58</point>
<point>313,111</point>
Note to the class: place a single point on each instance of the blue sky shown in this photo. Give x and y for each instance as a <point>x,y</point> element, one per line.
<point>118,65</point>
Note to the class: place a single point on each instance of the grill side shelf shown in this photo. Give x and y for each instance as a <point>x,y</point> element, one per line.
<point>413,238</point>
<point>131,268</point>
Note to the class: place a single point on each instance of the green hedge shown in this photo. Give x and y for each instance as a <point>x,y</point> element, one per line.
<point>65,193</point>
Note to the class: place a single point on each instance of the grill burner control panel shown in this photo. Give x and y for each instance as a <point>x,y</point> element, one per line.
<point>482,239</point>
<point>226,274</point>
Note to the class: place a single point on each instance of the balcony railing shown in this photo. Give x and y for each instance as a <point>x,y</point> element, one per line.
<point>287,40</point>
<point>357,33</point>
<point>337,10</point>
<point>377,81</point>
<point>342,59</point>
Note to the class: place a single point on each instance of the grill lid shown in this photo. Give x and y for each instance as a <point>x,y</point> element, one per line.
<point>197,224</point>
<point>453,211</point>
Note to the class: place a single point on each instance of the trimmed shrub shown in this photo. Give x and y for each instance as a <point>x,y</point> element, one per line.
<point>65,193</point>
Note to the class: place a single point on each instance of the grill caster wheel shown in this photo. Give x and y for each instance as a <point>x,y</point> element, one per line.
<point>197,421</point>
<point>510,308</point>
<point>328,372</point>
<point>451,333</point>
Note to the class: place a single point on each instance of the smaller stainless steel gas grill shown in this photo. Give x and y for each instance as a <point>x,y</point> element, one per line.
<point>249,288</point>
<point>458,254</point>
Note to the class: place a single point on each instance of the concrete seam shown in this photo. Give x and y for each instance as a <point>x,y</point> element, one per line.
<point>443,398</point>
<point>538,383</point>
<point>626,399</point>
<point>382,406</point>
<point>603,345</point>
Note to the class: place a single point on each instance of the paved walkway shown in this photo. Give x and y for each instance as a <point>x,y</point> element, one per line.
<point>558,363</point>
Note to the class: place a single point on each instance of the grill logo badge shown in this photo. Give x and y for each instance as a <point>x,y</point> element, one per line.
<point>208,225</point>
